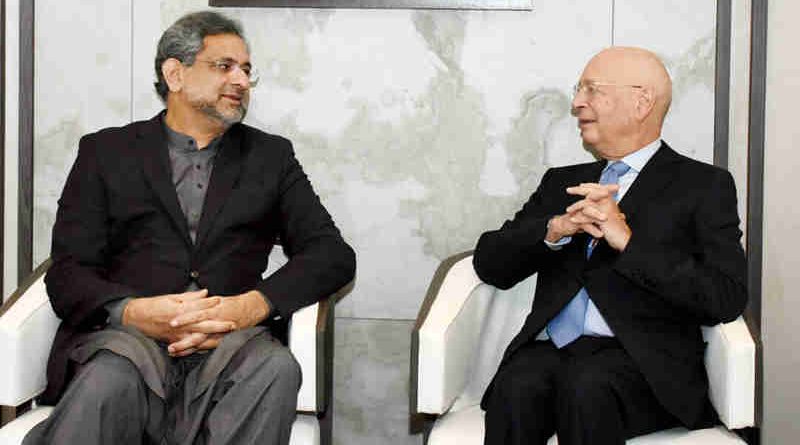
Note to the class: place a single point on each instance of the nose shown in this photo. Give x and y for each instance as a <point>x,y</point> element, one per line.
<point>579,100</point>
<point>239,77</point>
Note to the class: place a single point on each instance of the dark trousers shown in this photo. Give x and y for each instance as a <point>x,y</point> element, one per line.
<point>252,401</point>
<point>589,392</point>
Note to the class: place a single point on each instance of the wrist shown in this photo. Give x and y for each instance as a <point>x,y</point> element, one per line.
<point>128,313</point>
<point>257,306</point>
<point>552,235</point>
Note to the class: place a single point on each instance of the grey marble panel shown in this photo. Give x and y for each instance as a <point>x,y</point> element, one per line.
<point>83,77</point>
<point>371,371</point>
<point>422,129</point>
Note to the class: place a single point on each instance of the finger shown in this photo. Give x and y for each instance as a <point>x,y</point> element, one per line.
<point>200,305</point>
<point>596,186</point>
<point>583,206</point>
<point>593,230</point>
<point>184,353</point>
<point>192,317</point>
<point>594,213</point>
<point>188,342</point>
<point>211,326</point>
<point>578,190</point>
<point>588,189</point>
<point>581,220</point>
<point>599,195</point>
<point>210,343</point>
<point>576,207</point>
<point>192,295</point>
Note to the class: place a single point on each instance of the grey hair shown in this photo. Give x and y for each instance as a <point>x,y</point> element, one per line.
<point>184,39</point>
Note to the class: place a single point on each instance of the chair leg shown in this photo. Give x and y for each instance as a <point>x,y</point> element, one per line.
<point>421,423</point>
<point>750,435</point>
<point>10,413</point>
<point>326,427</point>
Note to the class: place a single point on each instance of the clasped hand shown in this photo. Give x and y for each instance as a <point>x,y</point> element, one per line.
<point>596,214</point>
<point>193,321</point>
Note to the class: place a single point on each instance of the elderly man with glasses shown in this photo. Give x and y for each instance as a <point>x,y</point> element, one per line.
<point>163,230</point>
<point>633,253</point>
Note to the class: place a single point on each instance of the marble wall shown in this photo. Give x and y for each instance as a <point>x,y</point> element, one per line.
<point>419,129</point>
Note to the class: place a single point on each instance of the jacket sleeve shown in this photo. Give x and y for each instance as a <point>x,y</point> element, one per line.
<point>76,281</point>
<point>517,250</point>
<point>708,280</point>
<point>320,261</point>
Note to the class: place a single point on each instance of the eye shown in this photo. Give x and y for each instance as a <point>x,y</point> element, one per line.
<point>224,66</point>
<point>246,69</point>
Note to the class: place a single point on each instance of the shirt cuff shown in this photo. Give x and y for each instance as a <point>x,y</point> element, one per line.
<point>115,310</point>
<point>558,244</point>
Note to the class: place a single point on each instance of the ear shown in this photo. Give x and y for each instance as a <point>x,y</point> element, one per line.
<point>172,70</point>
<point>645,103</point>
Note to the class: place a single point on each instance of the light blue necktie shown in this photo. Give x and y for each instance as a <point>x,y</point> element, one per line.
<point>567,325</point>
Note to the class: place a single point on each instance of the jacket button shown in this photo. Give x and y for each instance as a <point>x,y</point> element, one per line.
<point>194,274</point>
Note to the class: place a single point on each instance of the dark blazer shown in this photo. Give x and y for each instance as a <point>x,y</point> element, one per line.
<point>120,231</point>
<point>683,267</point>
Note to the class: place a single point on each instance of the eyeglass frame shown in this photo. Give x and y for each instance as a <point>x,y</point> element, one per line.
<point>591,87</point>
<point>219,65</point>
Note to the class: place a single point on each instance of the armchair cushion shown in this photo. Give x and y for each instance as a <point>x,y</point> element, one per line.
<point>465,427</point>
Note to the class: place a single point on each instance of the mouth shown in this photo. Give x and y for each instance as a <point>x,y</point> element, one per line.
<point>235,98</point>
<point>585,122</point>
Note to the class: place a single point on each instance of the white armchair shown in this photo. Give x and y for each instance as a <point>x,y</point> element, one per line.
<point>28,326</point>
<point>465,325</point>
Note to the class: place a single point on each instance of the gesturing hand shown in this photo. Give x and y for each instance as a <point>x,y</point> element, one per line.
<point>598,213</point>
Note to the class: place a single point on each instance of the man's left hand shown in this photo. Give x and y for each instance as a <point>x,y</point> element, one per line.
<point>599,214</point>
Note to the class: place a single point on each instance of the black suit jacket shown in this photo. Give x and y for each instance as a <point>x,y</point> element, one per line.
<point>120,231</point>
<point>683,267</point>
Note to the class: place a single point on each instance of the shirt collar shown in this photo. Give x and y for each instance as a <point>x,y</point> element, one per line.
<point>182,142</point>
<point>637,160</point>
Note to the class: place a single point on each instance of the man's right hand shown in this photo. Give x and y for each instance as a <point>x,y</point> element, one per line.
<point>152,316</point>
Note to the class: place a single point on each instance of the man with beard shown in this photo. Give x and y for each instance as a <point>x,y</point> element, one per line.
<point>161,237</point>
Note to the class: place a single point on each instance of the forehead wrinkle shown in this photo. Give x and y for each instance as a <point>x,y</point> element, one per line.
<point>226,46</point>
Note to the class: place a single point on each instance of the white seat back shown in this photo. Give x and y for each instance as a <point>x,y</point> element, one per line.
<point>26,333</point>
<point>505,316</point>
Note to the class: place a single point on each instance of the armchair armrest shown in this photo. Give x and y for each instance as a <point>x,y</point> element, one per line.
<point>447,334</point>
<point>310,340</point>
<point>27,328</point>
<point>730,363</point>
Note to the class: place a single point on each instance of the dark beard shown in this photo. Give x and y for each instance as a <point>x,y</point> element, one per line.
<point>226,121</point>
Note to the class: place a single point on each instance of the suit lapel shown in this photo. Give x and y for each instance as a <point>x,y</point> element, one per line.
<point>151,140</point>
<point>659,172</point>
<point>227,168</point>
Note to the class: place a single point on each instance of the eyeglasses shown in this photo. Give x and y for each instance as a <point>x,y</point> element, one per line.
<point>592,88</point>
<point>228,66</point>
